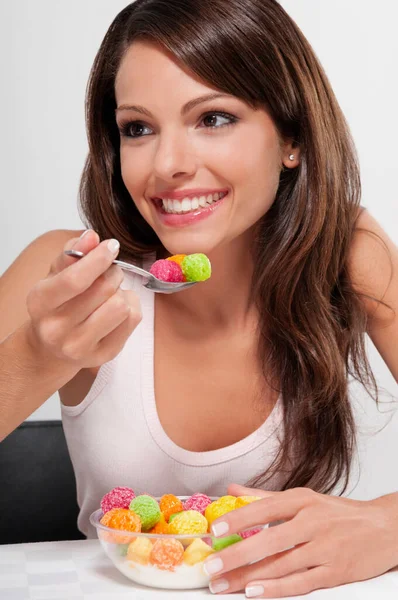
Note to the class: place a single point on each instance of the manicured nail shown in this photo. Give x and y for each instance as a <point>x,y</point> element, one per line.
<point>219,585</point>
<point>213,566</point>
<point>253,591</point>
<point>113,246</point>
<point>220,528</point>
<point>84,233</point>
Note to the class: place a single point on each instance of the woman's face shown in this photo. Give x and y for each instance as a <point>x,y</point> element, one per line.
<point>178,161</point>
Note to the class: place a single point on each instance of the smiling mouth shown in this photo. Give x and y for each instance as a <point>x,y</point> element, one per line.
<point>188,205</point>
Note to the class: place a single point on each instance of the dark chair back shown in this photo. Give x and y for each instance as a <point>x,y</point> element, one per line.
<point>37,485</point>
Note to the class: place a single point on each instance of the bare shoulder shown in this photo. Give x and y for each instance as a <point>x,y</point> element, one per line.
<point>32,264</point>
<point>373,267</point>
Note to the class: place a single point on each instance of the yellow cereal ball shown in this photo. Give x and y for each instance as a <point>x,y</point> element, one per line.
<point>219,507</point>
<point>189,521</point>
<point>197,551</point>
<point>139,550</point>
<point>244,500</point>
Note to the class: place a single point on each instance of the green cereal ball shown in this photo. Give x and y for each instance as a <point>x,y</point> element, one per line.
<point>147,509</point>
<point>224,542</point>
<point>196,267</point>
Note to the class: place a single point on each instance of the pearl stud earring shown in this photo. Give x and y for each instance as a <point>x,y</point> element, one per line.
<point>291,157</point>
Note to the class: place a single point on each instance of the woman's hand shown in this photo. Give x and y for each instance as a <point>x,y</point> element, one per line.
<point>78,313</point>
<point>323,542</point>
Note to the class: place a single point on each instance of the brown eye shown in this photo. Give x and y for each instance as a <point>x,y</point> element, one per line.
<point>133,129</point>
<point>218,119</point>
<point>210,120</point>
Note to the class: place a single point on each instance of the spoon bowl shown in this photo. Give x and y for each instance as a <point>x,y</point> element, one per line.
<point>153,283</point>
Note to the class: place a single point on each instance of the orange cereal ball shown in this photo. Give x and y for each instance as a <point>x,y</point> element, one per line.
<point>170,504</point>
<point>139,550</point>
<point>244,500</point>
<point>123,519</point>
<point>161,526</point>
<point>189,521</point>
<point>166,554</point>
<point>177,258</point>
<point>219,507</point>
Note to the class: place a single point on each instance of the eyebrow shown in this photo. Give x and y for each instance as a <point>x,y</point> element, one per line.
<point>186,108</point>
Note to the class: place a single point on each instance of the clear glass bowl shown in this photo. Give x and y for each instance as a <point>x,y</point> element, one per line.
<point>130,553</point>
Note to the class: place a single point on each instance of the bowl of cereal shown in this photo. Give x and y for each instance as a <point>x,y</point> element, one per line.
<point>163,542</point>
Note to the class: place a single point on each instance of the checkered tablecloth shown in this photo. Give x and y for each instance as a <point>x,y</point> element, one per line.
<point>80,569</point>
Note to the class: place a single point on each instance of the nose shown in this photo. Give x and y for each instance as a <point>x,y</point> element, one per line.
<point>174,157</point>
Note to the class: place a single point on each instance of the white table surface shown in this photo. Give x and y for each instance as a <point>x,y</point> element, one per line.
<point>80,569</point>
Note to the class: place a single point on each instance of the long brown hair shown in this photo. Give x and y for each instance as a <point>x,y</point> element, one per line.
<point>312,322</point>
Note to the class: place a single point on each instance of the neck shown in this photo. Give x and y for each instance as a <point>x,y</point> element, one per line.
<point>224,299</point>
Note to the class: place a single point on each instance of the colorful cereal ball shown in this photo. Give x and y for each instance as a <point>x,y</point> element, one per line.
<point>197,551</point>
<point>224,542</point>
<point>173,516</point>
<point>219,507</point>
<point>249,532</point>
<point>244,500</point>
<point>170,504</point>
<point>166,554</point>
<point>197,502</point>
<point>177,258</point>
<point>119,497</point>
<point>139,550</point>
<point>196,267</point>
<point>161,526</point>
<point>147,509</point>
<point>188,521</point>
<point>167,270</point>
<point>123,519</point>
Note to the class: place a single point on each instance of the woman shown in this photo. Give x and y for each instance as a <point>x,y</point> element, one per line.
<point>212,128</point>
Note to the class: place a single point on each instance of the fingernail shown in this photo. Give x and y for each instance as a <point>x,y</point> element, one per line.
<point>253,591</point>
<point>84,233</point>
<point>219,585</point>
<point>113,246</point>
<point>213,566</point>
<point>220,528</point>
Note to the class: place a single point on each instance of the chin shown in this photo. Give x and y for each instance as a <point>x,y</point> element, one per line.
<point>188,243</point>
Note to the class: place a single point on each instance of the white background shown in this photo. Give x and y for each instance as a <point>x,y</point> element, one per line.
<point>46,51</point>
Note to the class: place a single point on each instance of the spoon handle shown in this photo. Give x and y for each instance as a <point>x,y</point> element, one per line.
<point>120,263</point>
<point>133,268</point>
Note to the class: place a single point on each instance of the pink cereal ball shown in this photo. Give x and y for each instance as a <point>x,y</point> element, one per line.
<point>119,497</point>
<point>167,270</point>
<point>250,532</point>
<point>197,502</point>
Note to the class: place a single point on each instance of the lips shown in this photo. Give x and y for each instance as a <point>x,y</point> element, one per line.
<point>181,219</point>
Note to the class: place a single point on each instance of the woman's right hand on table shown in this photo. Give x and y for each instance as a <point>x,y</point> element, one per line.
<point>78,313</point>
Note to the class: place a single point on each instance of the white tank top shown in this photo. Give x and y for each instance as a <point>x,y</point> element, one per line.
<point>115,437</point>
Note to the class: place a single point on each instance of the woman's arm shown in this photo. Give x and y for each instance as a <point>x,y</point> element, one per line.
<point>374,272</point>
<point>26,380</point>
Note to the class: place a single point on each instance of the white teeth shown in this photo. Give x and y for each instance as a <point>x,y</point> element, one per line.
<point>188,204</point>
<point>202,201</point>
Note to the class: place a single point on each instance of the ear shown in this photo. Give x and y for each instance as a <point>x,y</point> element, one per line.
<point>290,155</point>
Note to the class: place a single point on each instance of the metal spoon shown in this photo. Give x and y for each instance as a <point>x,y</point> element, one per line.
<point>154,284</point>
